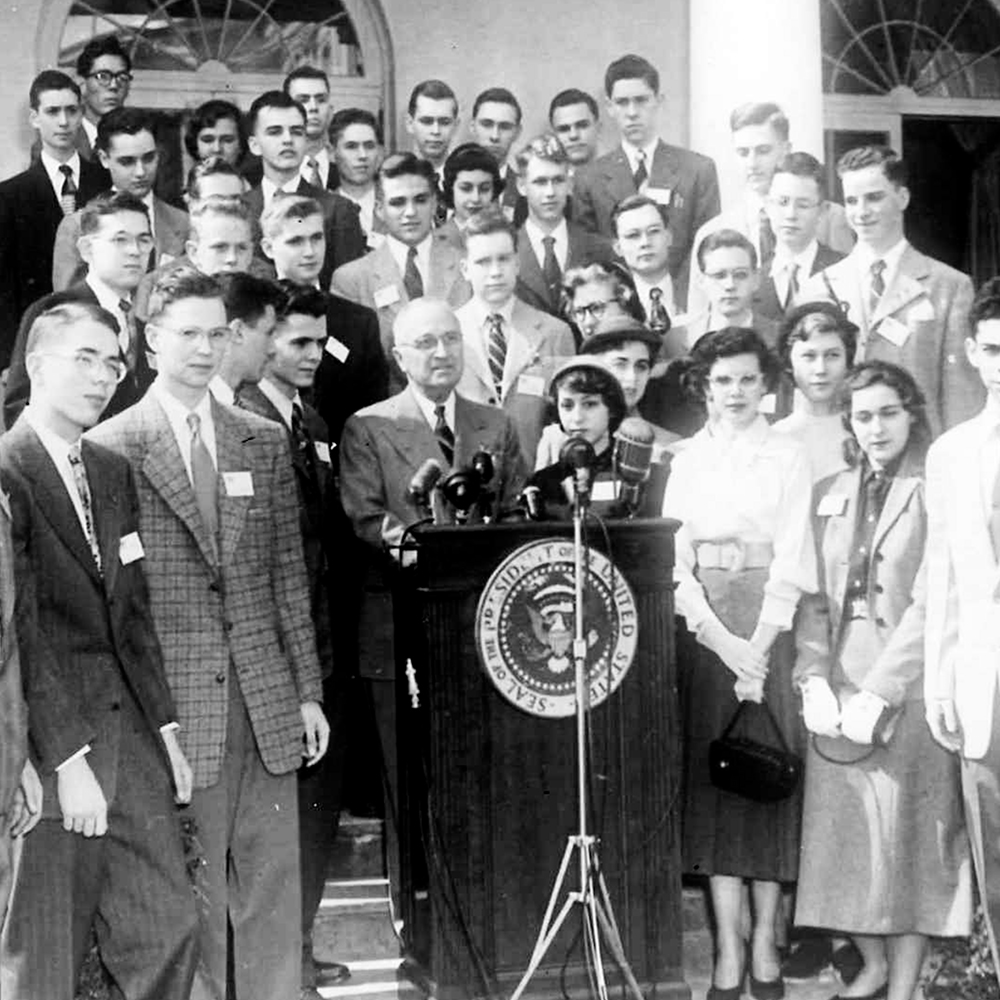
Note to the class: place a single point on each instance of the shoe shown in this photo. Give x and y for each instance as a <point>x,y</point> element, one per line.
<point>809,957</point>
<point>848,962</point>
<point>729,993</point>
<point>880,994</point>
<point>328,973</point>
<point>771,989</point>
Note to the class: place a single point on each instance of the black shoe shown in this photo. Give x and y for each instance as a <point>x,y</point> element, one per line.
<point>771,989</point>
<point>848,962</point>
<point>328,973</point>
<point>808,958</point>
<point>729,993</point>
<point>880,994</point>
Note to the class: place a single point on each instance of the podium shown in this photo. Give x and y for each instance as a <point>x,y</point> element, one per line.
<point>494,787</point>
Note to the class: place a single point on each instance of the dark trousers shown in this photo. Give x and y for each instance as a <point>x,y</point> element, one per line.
<point>248,839</point>
<point>130,885</point>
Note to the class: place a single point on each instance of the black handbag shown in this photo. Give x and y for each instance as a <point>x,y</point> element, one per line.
<point>751,769</point>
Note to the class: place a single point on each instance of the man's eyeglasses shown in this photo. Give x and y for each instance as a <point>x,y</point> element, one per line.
<point>595,310</point>
<point>105,77</point>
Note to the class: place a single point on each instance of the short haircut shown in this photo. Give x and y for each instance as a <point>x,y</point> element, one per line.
<point>811,318</point>
<point>469,156</point>
<point>50,79</point>
<point>634,201</point>
<point>105,45</point>
<point>281,210</point>
<point>725,238</point>
<point>631,67</point>
<point>205,116</point>
<point>247,297</point>
<point>760,113</point>
<point>271,99</point>
<point>184,282</point>
<point>213,166</point>
<point>875,156</point>
<point>301,300</point>
<point>613,274</point>
<point>567,98</point>
<point>592,379</point>
<point>497,95</point>
<point>54,321</point>
<point>305,73</point>
<point>986,304</point>
<point>405,165</point>
<point>804,165</point>
<point>219,210</point>
<point>123,121</point>
<point>729,342</point>
<point>487,222</point>
<point>346,117</point>
<point>109,204</point>
<point>433,90</point>
<point>543,147</point>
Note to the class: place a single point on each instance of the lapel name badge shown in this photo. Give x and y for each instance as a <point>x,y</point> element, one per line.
<point>895,332</point>
<point>130,548</point>
<point>386,296</point>
<point>323,452</point>
<point>531,385</point>
<point>660,195</point>
<point>238,484</point>
<point>337,349</point>
<point>832,505</point>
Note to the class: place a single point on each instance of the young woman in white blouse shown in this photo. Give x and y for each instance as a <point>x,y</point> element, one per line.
<point>744,556</point>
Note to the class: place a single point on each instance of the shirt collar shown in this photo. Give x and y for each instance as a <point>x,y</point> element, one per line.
<point>866,257</point>
<point>177,412</point>
<point>428,407</point>
<point>279,400</point>
<point>400,251</point>
<point>57,447</point>
<point>90,129</point>
<point>804,259</point>
<point>107,297</point>
<point>322,158</point>
<point>56,176</point>
<point>481,311</point>
<point>536,234</point>
<point>222,390</point>
<point>632,153</point>
<point>268,188</point>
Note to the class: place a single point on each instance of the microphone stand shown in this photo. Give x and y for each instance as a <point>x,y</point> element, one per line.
<point>592,893</point>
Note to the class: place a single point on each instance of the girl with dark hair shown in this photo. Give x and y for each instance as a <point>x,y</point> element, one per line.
<point>884,851</point>
<point>744,557</point>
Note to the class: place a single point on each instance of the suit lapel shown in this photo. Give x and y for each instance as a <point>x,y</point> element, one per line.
<point>618,176</point>
<point>469,425</point>
<point>45,197</point>
<point>901,489</point>
<point>522,346</point>
<point>665,172</point>
<point>841,283</point>
<point>385,272</point>
<point>106,512</point>
<point>411,435</point>
<point>476,363</point>
<point>230,437</point>
<point>906,285</point>
<point>530,272</point>
<point>444,267</point>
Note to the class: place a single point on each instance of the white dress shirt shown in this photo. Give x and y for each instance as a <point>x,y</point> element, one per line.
<point>56,177</point>
<point>109,299</point>
<point>666,287</point>
<point>560,247</point>
<point>400,251</point>
<point>91,130</point>
<point>177,414</point>
<point>632,154</point>
<point>222,391</point>
<point>864,257</point>
<point>428,408</point>
<point>753,203</point>
<point>781,267</point>
<point>481,312</point>
<point>268,188</point>
<point>322,158</point>
<point>279,400</point>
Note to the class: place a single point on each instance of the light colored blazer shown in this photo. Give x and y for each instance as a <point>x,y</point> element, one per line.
<point>931,301</point>
<point>895,588</point>
<point>536,345</point>
<point>170,225</point>
<point>13,710</point>
<point>963,585</point>
<point>249,609</point>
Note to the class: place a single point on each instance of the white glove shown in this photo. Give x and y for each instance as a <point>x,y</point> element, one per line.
<point>736,653</point>
<point>820,708</point>
<point>860,715</point>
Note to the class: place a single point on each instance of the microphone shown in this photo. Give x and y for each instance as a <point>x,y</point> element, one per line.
<point>482,466</point>
<point>532,503</point>
<point>632,457</point>
<point>424,480</point>
<point>578,455</point>
<point>462,489</point>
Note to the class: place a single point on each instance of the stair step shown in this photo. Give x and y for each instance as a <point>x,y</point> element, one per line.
<point>375,980</point>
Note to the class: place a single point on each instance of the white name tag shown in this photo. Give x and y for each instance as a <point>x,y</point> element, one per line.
<point>323,452</point>
<point>386,296</point>
<point>832,505</point>
<point>661,196</point>
<point>130,548</point>
<point>893,331</point>
<point>603,489</point>
<point>921,311</point>
<point>337,349</point>
<point>531,385</point>
<point>238,484</point>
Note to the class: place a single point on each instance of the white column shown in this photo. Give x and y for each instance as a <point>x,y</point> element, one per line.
<point>753,50</point>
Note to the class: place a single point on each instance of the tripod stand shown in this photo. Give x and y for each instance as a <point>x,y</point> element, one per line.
<point>592,894</point>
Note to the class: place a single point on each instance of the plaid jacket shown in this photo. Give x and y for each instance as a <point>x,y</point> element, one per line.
<point>13,712</point>
<point>251,610</point>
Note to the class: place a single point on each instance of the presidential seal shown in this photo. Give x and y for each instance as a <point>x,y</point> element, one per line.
<point>525,627</point>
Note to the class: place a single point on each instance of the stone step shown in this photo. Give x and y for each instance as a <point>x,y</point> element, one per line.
<point>378,979</point>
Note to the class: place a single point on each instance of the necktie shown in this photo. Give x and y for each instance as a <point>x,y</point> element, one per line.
<point>67,196</point>
<point>412,281</point>
<point>127,339</point>
<point>995,517</point>
<point>659,319</point>
<point>312,172</point>
<point>640,176</point>
<point>877,286</point>
<point>304,446</point>
<point>83,489</point>
<point>551,271</point>
<point>496,351</point>
<point>767,241</point>
<point>793,286</point>
<point>204,479</point>
<point>444,434</point>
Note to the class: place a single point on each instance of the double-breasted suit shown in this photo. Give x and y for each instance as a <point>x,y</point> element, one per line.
<point>93,677</point>
<point>685,181</point>
<point>766,302</point>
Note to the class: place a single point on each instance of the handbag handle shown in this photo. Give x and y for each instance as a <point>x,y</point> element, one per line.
<point>783,743</point>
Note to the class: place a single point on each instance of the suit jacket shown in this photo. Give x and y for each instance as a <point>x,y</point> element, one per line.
<point>170,226</point>
<point>691,188</point>
<point>345,239</point>
<point>18,388</point>
<point>381,449</point>
<point>963,584</point>
<point>583,248</point>
<point>87,639</point>
<point>13,708</point>
<point>354,372</point>
<point>895,596</point>
<point>30,215</point>
<point>253,170</point>
<point>248,609</point>
<point>535,346</point>
<point>376,282</point>
<point>920,323</point>
<point>766,301</point>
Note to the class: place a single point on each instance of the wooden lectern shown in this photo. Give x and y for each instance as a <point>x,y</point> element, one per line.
<point>495,787</point>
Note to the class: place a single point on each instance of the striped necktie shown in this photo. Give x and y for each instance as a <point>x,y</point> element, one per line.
<point>497,351</point>
<point>204,479</point>
<point>412,281</point>
<point>67,196</point>
<point>83,491</point>
<point>312,172</point>
<point>444,434</point>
